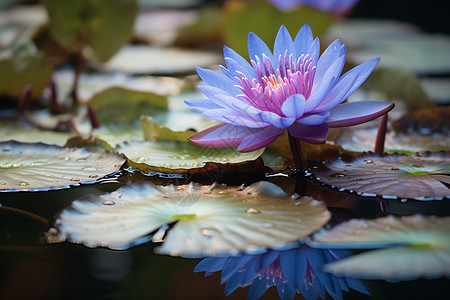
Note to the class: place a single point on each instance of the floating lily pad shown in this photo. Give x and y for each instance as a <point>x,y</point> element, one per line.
<point>420,247</point>
<point>42,167</point>
<point>180,157</point>
<point>418,176</point>
<point>27,134</point>
<point>210,220</point>
<point>361,140</point>
<point>142,59</point>
<point>118,104</point>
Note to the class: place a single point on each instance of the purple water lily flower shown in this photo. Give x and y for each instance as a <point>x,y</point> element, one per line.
<point>292,271</point>
<point>333,6</point>
<point>291,88</point>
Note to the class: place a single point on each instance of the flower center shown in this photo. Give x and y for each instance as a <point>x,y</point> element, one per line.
<point>272,87</point>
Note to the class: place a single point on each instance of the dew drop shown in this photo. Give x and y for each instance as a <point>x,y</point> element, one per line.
<point>337,175</point>
<point>168,165</point>
<point>210,232</point>
<point>108,202</point>
<point>2,183</point>
<point>65,158</point>
<point>89,169</point>
<point>142,159</point>
<point>182,165</point>
<point>368,161</point>
<point>404,200</point>
<point>298,203</point>
<point>23,183</point>
<point>252,211</point>
<point>54,181</point>
<point>93,176</point>
<point>74,179</point>
<point>223,193</point>
<point>394,168</point>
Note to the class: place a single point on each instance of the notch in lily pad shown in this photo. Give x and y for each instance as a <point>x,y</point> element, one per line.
<point>211,220</point>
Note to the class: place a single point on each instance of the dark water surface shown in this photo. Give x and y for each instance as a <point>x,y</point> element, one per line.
<point>32,269</point>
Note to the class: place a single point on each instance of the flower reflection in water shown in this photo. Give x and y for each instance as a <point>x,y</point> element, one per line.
<point>292,271</point>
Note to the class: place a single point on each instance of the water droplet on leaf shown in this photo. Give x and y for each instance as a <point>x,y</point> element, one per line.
<point>210,232</point>
<point>108,202</point>
<point>252,210</point>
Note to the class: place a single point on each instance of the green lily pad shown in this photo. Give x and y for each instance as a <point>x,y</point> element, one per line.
<point>210,220</point>
<point>33,167</point>
<point>143,59</point>
<point>27,134</point>
<point>119,105</point>
<point>361,140</point>
<point>419,176</point>
<point>22,65</point>
<point>180,157</point>
<point>418,246</point>
<point>102,25</point>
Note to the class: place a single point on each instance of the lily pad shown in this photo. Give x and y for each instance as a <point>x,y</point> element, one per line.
<point>118,105</point>
<point>37,166</point>
<point>361,140</point>
<point>210,220</point>
<point>23,65</point>
<point>85,23</point>
<point>419,246</point>
<point>180,157</point>
<point>143,59</point>
<point>27,134</point>
<point>419,176</point>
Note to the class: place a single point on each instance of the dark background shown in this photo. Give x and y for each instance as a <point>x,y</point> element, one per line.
<point>430,15</point>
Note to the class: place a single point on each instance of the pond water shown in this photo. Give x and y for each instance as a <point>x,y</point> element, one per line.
<point>33,269</point>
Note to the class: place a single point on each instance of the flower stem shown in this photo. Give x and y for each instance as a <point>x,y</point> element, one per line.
<point>297,153</point>
<point>381,134</point>
<point>77,64</point>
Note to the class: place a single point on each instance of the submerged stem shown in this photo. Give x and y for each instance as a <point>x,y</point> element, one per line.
<point>297,153</point>
<point>381,134</point>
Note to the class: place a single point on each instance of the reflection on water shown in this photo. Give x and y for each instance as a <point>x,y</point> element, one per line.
<point>295,271</point>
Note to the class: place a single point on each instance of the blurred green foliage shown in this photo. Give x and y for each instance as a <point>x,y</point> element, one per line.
<point>263,19</point>
<point>102,25</point>
<point>23,65</point>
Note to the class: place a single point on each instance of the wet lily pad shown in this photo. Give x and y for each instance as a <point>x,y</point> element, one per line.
<point>180,157</point>
<point>361,140</point>
<point>37,166</point>
<point>419,176</point>
<point>27,134</point>
<point>210,220</point>
<point>143,59</point>
<point>418,246</point>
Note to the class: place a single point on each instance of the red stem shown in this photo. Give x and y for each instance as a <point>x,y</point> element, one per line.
<point>381,134</point>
